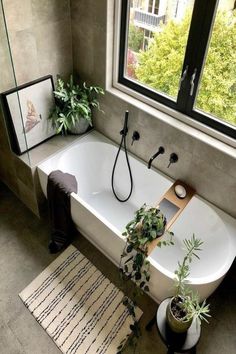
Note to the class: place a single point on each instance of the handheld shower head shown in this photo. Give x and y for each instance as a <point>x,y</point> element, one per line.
<point>124,131</point>
<point>126,122</point>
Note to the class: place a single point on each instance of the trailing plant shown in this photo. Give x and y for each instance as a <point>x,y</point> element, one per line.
<point>73,102</point>
<point>148,224</point>
<point>186,305</point>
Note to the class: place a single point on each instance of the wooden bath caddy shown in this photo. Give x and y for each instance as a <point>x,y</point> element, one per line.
<point>174,202</point>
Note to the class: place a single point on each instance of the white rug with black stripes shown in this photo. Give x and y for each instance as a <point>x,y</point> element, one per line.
<point>78,306</point>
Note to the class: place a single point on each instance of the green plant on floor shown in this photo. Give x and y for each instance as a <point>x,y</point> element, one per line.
<point>185,305</point>
<point>73,102</point>
<point>148,225</point>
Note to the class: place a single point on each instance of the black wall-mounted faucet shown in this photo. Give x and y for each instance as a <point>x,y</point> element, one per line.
<point>160,151</point>
<point>173,158</point>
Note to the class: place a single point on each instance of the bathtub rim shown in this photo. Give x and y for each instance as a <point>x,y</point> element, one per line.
<point>95,134</point>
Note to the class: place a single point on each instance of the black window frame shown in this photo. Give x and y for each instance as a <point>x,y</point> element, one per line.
<point>196,50</point>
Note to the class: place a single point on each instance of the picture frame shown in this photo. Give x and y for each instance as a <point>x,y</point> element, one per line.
<point>26,109</point>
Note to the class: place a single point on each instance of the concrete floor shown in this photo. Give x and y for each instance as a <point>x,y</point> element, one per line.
<point>24,254</point>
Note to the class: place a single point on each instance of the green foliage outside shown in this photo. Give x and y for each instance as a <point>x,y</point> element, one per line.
<point>217,93</point>
<point>161,65</point>
<point>135,38</point>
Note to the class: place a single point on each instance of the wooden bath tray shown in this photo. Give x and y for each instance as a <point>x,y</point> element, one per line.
<point>175,203</point>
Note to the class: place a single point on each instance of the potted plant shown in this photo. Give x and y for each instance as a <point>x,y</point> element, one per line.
<point>73,106</point>
<point>185,305</point>
<point>148,224</point>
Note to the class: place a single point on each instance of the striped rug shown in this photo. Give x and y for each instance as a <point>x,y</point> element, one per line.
<point>78,306</point>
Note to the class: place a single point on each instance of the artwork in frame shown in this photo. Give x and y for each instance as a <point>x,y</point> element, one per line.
<point>27,109</point>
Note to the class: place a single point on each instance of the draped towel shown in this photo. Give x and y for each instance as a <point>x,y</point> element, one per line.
<point>59,187</point>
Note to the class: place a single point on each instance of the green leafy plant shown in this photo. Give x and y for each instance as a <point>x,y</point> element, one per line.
<point>185,304</point>
<point>148,225</point>
<point>136,37</point>
<point>73,102</point>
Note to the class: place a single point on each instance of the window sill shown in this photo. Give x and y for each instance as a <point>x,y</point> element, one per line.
<point>176,119</point>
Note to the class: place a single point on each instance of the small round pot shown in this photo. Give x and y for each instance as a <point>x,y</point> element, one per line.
<point>80,127</point>
<point>162,231</point>
<point>175,324</point>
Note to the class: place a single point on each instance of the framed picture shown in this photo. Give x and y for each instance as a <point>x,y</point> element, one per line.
<point>27,109</point>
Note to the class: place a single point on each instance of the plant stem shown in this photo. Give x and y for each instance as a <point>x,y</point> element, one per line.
<point>183,270</point>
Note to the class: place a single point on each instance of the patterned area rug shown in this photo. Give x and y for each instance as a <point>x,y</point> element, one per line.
<point>78,306</point>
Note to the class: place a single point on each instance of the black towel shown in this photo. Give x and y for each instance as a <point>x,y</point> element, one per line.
<point>60,186</point>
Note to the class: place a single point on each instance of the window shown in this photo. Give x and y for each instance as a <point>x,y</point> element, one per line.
<point>150,5</point>
<point>153,6</point>
<point>156,7</point>
<point>182,54</point>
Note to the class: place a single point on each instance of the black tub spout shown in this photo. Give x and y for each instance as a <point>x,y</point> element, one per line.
<point>160,151</point>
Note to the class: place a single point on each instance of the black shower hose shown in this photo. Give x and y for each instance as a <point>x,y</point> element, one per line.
<point>123,140</point>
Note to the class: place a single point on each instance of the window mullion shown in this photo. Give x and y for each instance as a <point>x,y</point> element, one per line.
<point>123,33</point>
<point>203,14</point>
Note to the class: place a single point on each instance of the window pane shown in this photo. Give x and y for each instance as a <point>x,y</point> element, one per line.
<point>217,90</point>
<point>157,43</point>
<point>150,5</point>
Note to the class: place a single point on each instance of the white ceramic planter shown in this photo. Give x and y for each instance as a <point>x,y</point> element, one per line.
<point>80,127</point>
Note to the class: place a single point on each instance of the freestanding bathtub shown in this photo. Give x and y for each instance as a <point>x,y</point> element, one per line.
<point>102,219</point>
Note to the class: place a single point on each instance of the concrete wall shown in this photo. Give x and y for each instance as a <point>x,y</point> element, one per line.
<point>40,37</point>
<point>202,165</point>
<point>40,40</point>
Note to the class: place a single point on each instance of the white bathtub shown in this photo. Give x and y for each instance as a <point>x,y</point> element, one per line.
<point>101,218</point>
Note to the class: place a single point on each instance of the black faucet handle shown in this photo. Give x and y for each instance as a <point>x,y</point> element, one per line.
<point>135,136</point>
<point>173,158</point>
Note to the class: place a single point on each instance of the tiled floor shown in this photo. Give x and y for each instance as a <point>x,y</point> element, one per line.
<point>24,254</point>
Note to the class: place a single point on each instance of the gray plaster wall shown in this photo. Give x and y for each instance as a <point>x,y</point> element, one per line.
<point>40,37</point>
<point>202,165</point>
<point>41,44</point>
